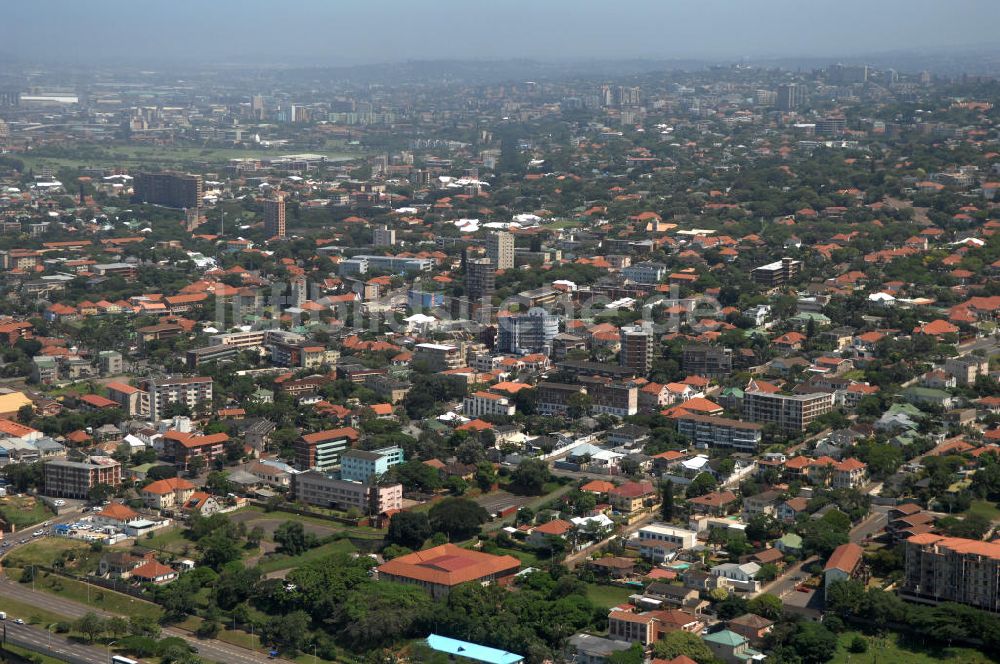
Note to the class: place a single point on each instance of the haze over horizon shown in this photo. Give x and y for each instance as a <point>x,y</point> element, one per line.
<point>351,32</point>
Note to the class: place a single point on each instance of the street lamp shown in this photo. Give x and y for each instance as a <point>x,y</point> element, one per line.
<point>109,650</point>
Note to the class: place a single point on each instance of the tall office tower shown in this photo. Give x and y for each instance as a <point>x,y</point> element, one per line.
<point>274,216</point>
<point>480,278</point>
<point>383,236</point>
<point>790,96</point>
<point>636,350</point>
<point>257,107</point>
<point>530,332</point>
<point>177,190</point>
<point>500,250</point>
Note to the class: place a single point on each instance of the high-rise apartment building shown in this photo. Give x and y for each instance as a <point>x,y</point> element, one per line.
<point>952,569</point>
<point>790,96</point>
<point>322,450</point>
<point>790,412</point>
<point>500,249</point>
<point>636,350</point>
<point>194,392</point>
<point>177,190</point>
<point>383,236</point>
<point>480,278</point>
<point>708,361</point>
<point>777,273</point>
<point>274,216</point>
<point>75,479</point>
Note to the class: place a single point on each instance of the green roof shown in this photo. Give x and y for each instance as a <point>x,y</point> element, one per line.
<point>725,638</point>
<point>791,541</point>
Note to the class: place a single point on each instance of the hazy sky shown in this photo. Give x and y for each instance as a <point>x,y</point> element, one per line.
<point>332,32</point>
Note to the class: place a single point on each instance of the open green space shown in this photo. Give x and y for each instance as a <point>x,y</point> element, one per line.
<point>169,540</point>
<point>891,649</point>
<point>984,508</point>
<point>281,561</point>
<point>45,552</point>
<point>96,597</point>
<point>160,155</point>
<point>24,511</point>
<point>608,596</point>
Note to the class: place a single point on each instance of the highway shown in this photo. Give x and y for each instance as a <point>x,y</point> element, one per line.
<point>53,645</point>
<point>211,650</point>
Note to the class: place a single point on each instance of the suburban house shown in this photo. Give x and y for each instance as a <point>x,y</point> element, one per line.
<point>649,627</point>
<point>154,572</point>
<point>631,497</point>
<point>168,493</point>
<point>846,562</point>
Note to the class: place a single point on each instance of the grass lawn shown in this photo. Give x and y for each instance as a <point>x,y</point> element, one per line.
<point>99,598</point>
<point>31,655</point>
<point>24,511</point>
<point>608,596</point>
<point>46,552</point>
<point>984,508</point>
<point>891,648</point>
<point>170,540</point>
<point>528,558</point>
<point>281,561</point>
<point>353,531</point>
<point>120,155</point>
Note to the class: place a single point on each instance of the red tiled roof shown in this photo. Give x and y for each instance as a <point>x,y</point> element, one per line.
<point>448,565</point>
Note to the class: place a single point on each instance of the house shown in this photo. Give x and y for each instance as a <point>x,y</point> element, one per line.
<point>121,563</point>
<point>585,648</point>
<point>846,562</point>
<point>738,576</point>
<point>670,594</point>
<point>154,572</point>
<point>849,474</point>
<point>762,503</point>
<point>165,494</point>
<point>649,627</point>
<point>201,503</point>
<point>731,647</point>
<point>789,510</point>
<point>540,535</point>
<point>717,503</point>
<point>632,496</point>
<point>751,627</point>
<point>116,515</point>
<point>789,544</point>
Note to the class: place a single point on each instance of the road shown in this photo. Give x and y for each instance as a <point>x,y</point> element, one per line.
<point>208,649</point>
<point>211,650</point>
<point>53,645</point>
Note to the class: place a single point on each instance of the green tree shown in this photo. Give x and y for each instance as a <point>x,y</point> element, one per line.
<point>530,476</point>
<point>679,642</point>
<point>813,642</point>
<point>292,538</point>
<point>91,625</point>
<point>458,518</point>
<point>409,529</point>
<point>382,613</point>
<point>766,605</point>
<point>667,500</point>
<point>703,483</point>
<point>633,655</point>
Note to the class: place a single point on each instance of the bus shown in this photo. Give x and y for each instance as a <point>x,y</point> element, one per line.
<point>118,659</point>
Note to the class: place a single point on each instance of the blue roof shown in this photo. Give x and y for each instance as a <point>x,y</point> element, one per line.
<point>472,650</point>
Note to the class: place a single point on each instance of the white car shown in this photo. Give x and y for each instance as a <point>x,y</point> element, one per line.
<point>38,533</point>
<point>59,503</point>
<point>18,621</point>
